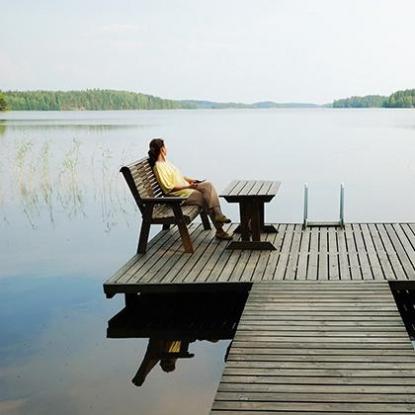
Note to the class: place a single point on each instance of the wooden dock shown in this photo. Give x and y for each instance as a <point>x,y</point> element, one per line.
<point>362,251</point>
<point>319,348</point>
<point>320,332</point>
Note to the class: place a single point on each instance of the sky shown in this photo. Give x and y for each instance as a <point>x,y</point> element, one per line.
<point>221,50</point>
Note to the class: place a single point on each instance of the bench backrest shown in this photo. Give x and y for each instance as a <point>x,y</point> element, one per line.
<point>141,181</point>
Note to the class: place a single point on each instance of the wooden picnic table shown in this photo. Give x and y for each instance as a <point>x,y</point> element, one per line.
<point>251,196</point>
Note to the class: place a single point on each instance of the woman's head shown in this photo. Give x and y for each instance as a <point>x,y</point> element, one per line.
<point>168,365</point>
<point>156,147</point>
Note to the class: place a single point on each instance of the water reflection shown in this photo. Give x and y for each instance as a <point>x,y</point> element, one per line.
<point>172,322</point>
<point>43,178</point>
<point>20,127</point>
<point>404,293</point>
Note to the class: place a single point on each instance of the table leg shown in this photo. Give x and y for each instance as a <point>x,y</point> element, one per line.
<point>245,221</point>
<point>265,228</point>
<point>250,228</point>
<point>255,214</point>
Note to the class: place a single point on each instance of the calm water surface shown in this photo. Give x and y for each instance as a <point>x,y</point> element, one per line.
<point>67,222</point>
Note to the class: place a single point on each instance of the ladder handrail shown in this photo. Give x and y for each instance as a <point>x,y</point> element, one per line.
<point>341,208</point>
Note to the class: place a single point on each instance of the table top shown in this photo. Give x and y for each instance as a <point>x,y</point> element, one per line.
<point>241,189</point>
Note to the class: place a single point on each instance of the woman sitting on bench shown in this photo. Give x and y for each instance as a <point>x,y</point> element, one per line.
<point>200,193</point>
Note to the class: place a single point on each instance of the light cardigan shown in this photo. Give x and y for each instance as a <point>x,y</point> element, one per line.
<point>169,177</point>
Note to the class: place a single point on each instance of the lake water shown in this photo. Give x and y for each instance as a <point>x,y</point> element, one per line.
<point>67,222</point>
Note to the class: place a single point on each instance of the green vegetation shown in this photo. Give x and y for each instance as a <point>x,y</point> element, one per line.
<point>399,99</point>
<point>102,99</point>
<point>368,101</point>
<point>3,103</point>
<point>107,99</point>
<point>90,99</point>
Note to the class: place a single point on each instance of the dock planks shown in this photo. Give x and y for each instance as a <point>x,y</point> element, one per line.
<point>358,252</point>
<point>319,347</point>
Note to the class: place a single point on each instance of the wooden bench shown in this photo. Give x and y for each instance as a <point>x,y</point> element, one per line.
<point>157,207</point>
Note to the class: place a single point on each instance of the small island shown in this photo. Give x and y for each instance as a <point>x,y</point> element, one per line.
<point>399,99</point>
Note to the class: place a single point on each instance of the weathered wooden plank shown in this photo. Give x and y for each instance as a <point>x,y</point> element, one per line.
<point>343,257</point>
<point>352,252</point>
<point>312,270</point>
<point>402,256</point>
<point>275,256</point>
<point>302,352</point>
<point>138,271</point>
<point>374,262</point>
<point>184,267</point>
<point>291,268</point>
<point>210,263</point>
<point>390,251</point>
<point>328,389</point>
<point>218,272</point>
<point>334,264</point>
<point>323,259</point>
<point>301,406</point>
<point>285,253</point>
<point>380,251</point>
<point>177,260</point>
<point>362,253</point>
<point>230,187</point>
<point>303,255</point>
<point>267,396</point>
<point>263,259</point>
<point>406,239</point>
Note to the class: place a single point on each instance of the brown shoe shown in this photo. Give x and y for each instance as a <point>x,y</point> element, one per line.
<point>222,235</point>
<point>222,219</point>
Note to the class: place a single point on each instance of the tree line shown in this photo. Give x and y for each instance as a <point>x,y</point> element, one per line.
<point>3,103</point>
<point>107,99</point>
<point>90,99</point>
<point>399,99</point>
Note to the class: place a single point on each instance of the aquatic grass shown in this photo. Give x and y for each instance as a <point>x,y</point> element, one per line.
<point>26,171</point>
<point>72,198</point>
<point>45,182</point>
<point>48,179</point>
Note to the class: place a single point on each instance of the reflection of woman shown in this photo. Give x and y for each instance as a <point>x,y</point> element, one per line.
<point>164,351</point>
<point>202,194</point>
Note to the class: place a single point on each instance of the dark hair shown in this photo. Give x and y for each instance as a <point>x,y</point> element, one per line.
<point>156,144</point>
<point>168,365</point>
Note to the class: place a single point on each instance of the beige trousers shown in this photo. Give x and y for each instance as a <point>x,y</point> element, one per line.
<point>206,197</point>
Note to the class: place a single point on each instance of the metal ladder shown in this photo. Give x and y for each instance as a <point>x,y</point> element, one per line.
<point>306,222</point>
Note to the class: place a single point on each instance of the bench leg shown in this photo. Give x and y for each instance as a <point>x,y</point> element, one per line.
<point>184,232</point>
<point>145,230</point>
<point>205,221</point>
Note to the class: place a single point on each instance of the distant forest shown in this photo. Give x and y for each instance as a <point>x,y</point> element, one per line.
<point>90,99</point>
<point>399,99</point>
<point>106,99</point>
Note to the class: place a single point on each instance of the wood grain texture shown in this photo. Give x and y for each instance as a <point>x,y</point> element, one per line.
<point>296,351</point>
<point>359,252</point>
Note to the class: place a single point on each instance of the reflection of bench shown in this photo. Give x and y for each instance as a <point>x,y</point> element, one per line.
<point>156,207</point>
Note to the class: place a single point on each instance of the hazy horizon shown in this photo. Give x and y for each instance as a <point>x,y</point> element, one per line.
<point>234,51</point>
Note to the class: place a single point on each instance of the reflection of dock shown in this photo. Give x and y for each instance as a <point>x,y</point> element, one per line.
<point>179,316</point>
<point>172,322</point>
<point>320,331</point>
